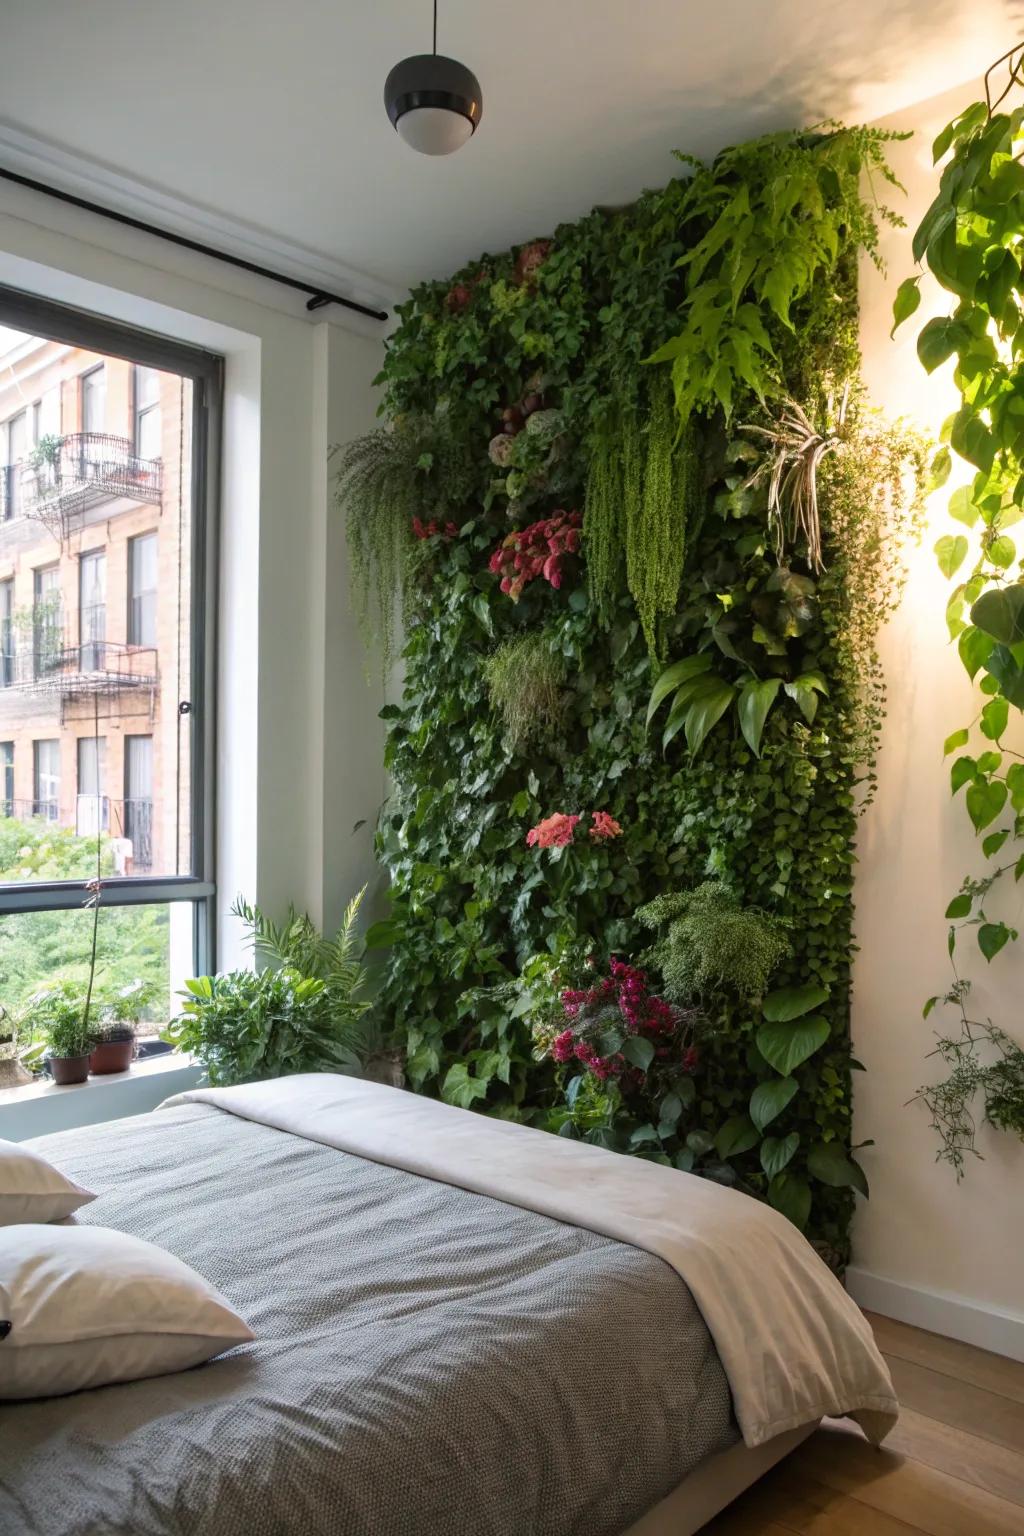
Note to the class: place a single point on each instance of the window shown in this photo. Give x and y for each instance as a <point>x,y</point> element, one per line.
<point>92,813</point>
<point>146,393</point>
<point>92,611</point>
<point>94,400</point>
<point>142,589</point>
<point>7,778</point>
<point>6,632</point>
<point>47,620</point>
<point>109,710</point>
<point>137,822</point>
<point>46,779</point>
<point>18,447</point>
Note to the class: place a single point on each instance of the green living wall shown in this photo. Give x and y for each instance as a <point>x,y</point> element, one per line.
<point>585,480</point>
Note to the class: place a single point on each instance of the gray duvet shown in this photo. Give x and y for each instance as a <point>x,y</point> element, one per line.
<point>427,1362</point>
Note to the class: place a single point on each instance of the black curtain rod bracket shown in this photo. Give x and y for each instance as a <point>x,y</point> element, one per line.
<point>318,297</point>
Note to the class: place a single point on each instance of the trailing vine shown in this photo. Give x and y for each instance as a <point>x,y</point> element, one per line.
<point>532,821</point>
<point>972,241</point>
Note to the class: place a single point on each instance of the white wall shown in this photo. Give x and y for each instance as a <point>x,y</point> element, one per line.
<point>949,1257</point>
<point>298,756</point>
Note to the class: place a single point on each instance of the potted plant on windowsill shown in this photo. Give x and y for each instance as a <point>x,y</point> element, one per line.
<point>114,1037</point>
<point>58,1013</point>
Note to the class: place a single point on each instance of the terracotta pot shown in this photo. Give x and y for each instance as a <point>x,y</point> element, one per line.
<point>69,1069</point>
<point>111,1056</point>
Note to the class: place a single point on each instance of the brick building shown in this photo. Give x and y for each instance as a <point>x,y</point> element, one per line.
<point>94,599</point>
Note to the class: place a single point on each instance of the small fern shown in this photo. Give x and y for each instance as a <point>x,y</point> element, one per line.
<point>297,944</point>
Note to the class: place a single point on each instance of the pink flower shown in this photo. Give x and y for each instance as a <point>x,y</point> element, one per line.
<point>603,825</point>
<point>554,832</point>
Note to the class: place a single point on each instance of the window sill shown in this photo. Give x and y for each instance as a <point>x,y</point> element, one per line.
<point>42,1107</point>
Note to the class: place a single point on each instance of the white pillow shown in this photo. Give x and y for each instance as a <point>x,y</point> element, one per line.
<point>87,1305</point>
<point>31,1189</point>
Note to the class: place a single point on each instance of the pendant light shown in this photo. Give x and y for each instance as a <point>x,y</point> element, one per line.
<point>433,102</point>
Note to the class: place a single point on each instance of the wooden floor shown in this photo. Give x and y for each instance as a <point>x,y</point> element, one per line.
<point>953,1466</point>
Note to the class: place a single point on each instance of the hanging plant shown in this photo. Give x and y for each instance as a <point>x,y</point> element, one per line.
<point>525,680</point>
<point>972,240</point>
<point>383,482</point>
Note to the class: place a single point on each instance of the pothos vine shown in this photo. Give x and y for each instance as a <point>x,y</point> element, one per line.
<point>972,241</point>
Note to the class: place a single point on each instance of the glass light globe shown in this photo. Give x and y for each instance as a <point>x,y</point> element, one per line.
<point>434,130</point>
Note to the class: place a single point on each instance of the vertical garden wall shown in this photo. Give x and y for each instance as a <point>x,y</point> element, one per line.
<point>628,472</point>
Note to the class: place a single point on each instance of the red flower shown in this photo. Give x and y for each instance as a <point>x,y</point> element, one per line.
<point>554,832</point>
<point>604,826</point>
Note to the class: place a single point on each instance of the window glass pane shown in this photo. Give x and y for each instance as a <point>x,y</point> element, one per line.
<point>92,809</point>
<point>147,944</point>
<point>101,603</point>
<point>143,554</point>
<point>6,633</point>
<point>94,400</point>
<point>46,785</point>
<point>6,778</point>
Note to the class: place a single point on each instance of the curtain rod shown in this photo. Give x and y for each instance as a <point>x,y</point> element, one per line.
<point>319,297</point>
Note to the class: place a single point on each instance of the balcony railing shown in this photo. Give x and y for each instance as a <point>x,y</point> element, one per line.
<point>29,810</point>
<point>129,823</point>
<point>82,470</point>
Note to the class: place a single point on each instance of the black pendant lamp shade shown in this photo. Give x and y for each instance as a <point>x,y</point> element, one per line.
<point>434,102</point>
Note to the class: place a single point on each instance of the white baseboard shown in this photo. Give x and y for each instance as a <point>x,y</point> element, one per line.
<point>954,1316</point>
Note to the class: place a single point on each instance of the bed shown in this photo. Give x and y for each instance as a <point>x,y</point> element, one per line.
<point>454,1333</point>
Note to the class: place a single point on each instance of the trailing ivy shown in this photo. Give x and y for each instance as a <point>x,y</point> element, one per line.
<point>972,240</point>
<point>486,931</point>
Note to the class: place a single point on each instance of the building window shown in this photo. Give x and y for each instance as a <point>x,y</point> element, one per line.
<point>18,448</point>
<point>7,632</point>
<point>47,620</point>
<point>94,400</point>
<point>7,778</point>
<point>119,693</point>
<point>92,611</point>
<point>137,822</point>
<point>92,812</point>
<point>142,589</point>
<point>146,394</point>
<point>46,779</point>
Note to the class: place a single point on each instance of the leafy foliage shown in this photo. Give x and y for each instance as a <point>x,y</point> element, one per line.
<point>766,221</point>
<point>972,240</point>
<point>244,1026</point>
<point>487,933</point>
<point>713,944</point>
<point>58,1014</point>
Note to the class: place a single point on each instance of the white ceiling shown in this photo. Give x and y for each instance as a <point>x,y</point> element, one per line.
<point>270,115</point>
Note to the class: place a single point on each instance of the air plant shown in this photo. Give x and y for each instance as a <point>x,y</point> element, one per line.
<point>795,449</point>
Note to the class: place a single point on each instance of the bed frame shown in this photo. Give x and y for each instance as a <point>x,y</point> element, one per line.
<point>714,1484</point>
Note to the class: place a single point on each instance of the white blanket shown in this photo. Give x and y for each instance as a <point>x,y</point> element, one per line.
<point>794,1346</point>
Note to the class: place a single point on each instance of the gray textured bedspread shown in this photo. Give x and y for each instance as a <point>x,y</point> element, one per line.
<point>427,1362</point>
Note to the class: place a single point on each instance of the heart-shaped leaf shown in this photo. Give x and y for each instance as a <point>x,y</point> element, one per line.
<point>769,1099</point>
<point>991,938</point>
<point>951,552</point>
<point>1000,613</point>
<point>787,1046</point>
<point>638,1051</point>
<point>737,1135</point>
<point>791,1195</point>
<point>828,1162</point>
<point>985,800</point>
<point>777,1151</point>
<point>791,1002</point>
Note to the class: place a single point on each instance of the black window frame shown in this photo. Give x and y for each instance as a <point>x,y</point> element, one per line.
<point>57,322</point>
